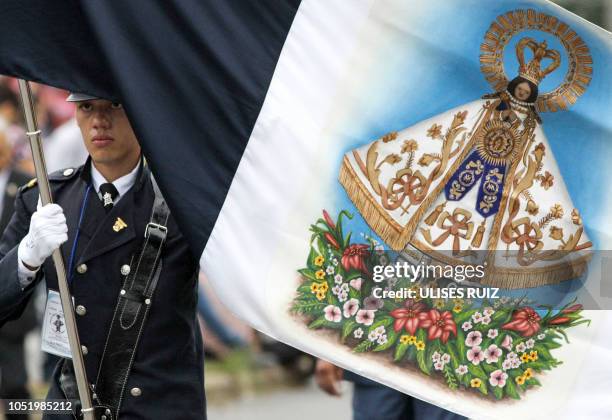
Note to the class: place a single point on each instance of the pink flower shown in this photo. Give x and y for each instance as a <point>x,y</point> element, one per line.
<point>498,378</point>
<point>365,317</point>
<point>440,325</point>
<point>492,354</point>
<point>507,364</point>
<point>332,313</point>
<point>438,365</point>
<point>350,308</point>
<point>467,325</point>
<point>507,343</point>
<point>473,339</point>
<point>492,333</point>
<point>461,370</point>
<point>408,317</point>
<point>356,283</point>
<point>475,355</point>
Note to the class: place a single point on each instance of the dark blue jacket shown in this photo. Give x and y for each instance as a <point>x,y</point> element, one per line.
<point>168,368</point>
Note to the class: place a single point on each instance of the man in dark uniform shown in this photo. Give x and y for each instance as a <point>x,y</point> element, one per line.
<point>103,211</point>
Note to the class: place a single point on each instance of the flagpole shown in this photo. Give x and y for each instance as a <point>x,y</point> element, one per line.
<point>34,136</point>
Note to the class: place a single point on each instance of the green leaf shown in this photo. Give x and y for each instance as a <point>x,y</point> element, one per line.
<point>321,246</point>
<point>483,387</point>
<point>511,389</point>
<point>363,346</point>
<point>400,351</point>
<point>308,306</point>
<point>308,273</point>
<point>543,352</point>
<point>464,316</point>
<point>311,256</point>
<point>532,382</point>
<point>551,345</point>
<point>461,345</point>
<point>391,338</point>
<point>348,328</point>
<point>422,360</point>
<point>318,323</point>
<point>385,321</point>
<point>477,372</point>
<point>498,392</point>
<point>453,355</point>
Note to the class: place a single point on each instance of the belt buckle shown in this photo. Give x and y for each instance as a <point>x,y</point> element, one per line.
<point>162,228</point>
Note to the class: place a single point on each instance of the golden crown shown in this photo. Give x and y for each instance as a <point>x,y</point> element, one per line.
<point>533,71</point>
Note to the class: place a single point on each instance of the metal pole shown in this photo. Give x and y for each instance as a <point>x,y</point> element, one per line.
<point>33,134</point>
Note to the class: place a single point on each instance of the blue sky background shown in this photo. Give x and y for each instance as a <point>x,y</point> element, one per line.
<point>429,64</point>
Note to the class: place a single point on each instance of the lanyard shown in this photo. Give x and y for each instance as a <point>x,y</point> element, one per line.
<point>76,236</point>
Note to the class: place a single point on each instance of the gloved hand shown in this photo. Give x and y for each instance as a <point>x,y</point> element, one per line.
<point>48,230</point>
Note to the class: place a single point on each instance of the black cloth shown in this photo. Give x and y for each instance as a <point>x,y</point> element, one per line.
<point>168,367</point>
<point>109,193</point>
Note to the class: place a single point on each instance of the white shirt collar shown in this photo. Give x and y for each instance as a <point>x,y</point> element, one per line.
<point>122,184</point>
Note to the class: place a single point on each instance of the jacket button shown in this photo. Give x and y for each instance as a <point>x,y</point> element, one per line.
<point>136,392</point>
<point>68,172</point>
<point>125,269</point>
<point>82,269</point>
<point>84,350</point>
<point>81,310</point>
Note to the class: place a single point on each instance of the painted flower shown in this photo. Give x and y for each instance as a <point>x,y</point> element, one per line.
<point>486,320</point>
<point>512,355</point>
<point>461,370</point>
<point>507,364</point>
<point>320,274</point>
<point>372,303</point>
<point>412,339</point>
<point>404,339</point>
<point>438,365</point>
<point>521,347</point>
<point>354,257</point>
<point>435,356</point>
<point>336,289</point>
<point>409,146</point>
<point>516,363</point>
<point>498,378</point>
<point>373,336</point>
<point>420,345</point>
<point>382,339</point>
<point>457,308</point>
<point>528,373</point>
<point>467,325</point>
<point>338,279</point>
<point>434,131</point>
<point>546,180</point>
<point>530,343</point>
<point>556,211</point>
<point>365,317</point>
<point>474,338</point>
<point>539,150</point>
<point>556,233</point>
<point>525,358</point>
<point>475,383</point>
<point>460,117</point>
<point>358,333</point>
<point>350,308</point>
<point>520,380</point>
<point>533,355</point>
<point>426,159</point>
<point>328,219</point>
<point>356,283</point>
<point>492,354</point>
<point>335,261</point>
<point>440,325</point>
<point>475,355</point>
<point>329,270</point>
<point>488,311</point>
<point>320,294</point>
<point>507,342</point>
<point>476,317</point>
<point>445,358</point>
<point>576,219</point>
<point>344,288</point>
<point>332,313</point>
<point>439,303</point>
<point>541,336</point>
<point>408,316</point>
<point>314,287</point>
<point>525,321</point>
<point>532,208</point>
<point>492,333</point>
<point>342,296</point>
<point>389,137</point>
<point>319,260</point>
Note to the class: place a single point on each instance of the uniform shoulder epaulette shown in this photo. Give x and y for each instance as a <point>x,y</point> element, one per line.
<point>29,185</point>
<point>62,174</point>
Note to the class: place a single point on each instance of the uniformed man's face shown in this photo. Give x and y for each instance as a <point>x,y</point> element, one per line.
<point>107,133</point>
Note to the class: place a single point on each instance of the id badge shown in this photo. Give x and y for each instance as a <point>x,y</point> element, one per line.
<point>54,333</point>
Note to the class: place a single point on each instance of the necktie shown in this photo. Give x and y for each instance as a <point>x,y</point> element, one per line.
<point>109,193</point>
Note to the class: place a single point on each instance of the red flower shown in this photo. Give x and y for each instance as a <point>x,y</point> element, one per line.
<point>560,320</point>
<point>354,257</point>
<point>408,317</point>
<point>328,220</point>
<point>440,325</point>
<point>332,240</point>
<point>574,308</point>
<point>524,321</point>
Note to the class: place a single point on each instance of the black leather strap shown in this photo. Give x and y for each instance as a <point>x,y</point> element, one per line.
<point>133,305</point>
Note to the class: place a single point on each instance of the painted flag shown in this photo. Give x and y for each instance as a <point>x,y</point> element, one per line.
<point>318,154</point>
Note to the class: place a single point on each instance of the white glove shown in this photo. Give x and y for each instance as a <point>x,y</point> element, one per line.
<point>48,230</point>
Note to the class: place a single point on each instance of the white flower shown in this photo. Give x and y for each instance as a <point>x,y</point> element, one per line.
<point>373,336</point>
<point>365,317</point>
<point>485,320</point>
<point>512,355</point>
<point>435,356</point>
<point>507,364</point>
<point>380,249</point>
<point>350,308</point>
<point>475,355</point>
<point>515,363</point>
<point>445,358</point>
<point>530,343</point>
<point>342,296</point>
<point>329,270</point>
<point>382,339</point>
<point>492,354</point>
<point>335,261</point>
<point>488,311</point>
<point>336,289</point>
<point>461,370</point>
<point>521,347</point>
<point>492,333</point>
<point>332,313</point>
<point>498,378</point>
<point>380,330</point>
<point>438,366</point>
<point>358,333</point>
<point>467,325</point>
<point>477,317</point>
<point>507,342</point>
<point>338,278</point>
<point>474,338</point>
<point>541,336</point>
<point>344,287</point>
